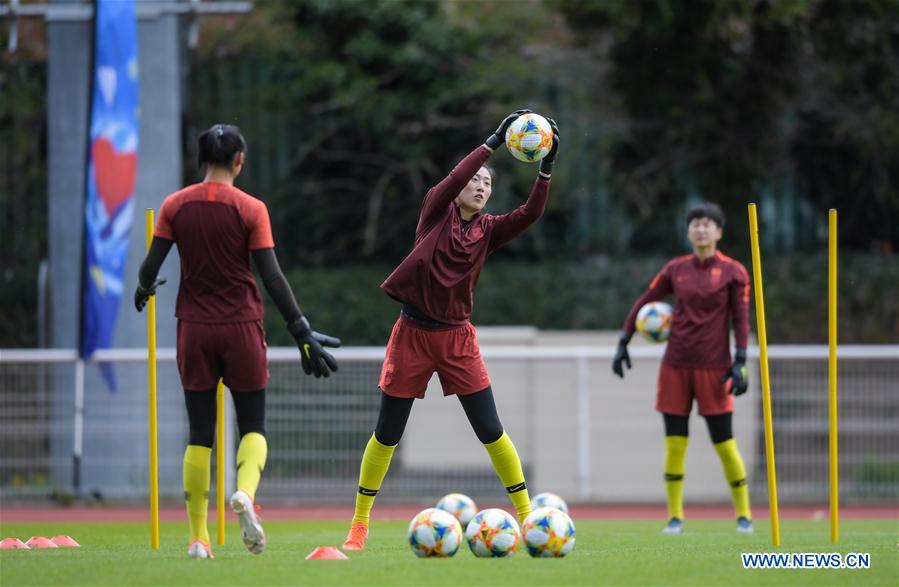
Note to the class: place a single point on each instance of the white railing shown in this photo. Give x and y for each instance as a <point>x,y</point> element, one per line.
<point>583,381</point>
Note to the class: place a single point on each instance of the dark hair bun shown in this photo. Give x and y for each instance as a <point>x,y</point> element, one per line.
<point>219,144</point>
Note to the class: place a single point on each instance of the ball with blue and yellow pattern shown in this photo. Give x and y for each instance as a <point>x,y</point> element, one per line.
<point>529,138</point>
<point>654,321</point>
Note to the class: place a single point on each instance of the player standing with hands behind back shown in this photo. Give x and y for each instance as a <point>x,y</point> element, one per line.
<point>218,228</point>
<point>435,283</point>
<point>710,290</point>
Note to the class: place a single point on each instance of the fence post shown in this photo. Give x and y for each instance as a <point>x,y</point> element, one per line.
<point>78,428</point>
<point>583,425</point>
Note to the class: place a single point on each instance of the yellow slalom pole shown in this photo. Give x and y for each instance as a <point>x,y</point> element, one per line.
<point>151,396</point>
<point>220,461</point>
<point>832,374</point>
<point>763,364</point>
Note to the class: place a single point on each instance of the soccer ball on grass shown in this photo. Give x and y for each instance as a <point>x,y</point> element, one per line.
<point>548,532</point>
<point>434,533</point>
<point>459,505</point>
<point>493,533</point>
<point>549,500</point>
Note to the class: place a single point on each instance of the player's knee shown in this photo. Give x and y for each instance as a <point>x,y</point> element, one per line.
<point>487,426</point>
<point>202,434</point>
<point>388,436</point>
<point>490,432</point>
<point>250,410</point>
<point>720,427</point>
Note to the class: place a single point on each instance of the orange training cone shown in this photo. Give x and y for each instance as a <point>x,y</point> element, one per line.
<point>65,541</point>
<point>13,543</point>
<point>326,553</point>
<point>40,542</point>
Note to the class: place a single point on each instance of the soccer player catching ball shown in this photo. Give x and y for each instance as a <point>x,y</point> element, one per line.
<point>710,291</point>
<point>220,335</point>
<point>435,283</point>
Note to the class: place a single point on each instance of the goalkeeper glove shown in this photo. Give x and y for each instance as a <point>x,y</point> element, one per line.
<point>316,360</point>
<point>546,164</point>
<point>621,355</point>
<point>142,294</point>
<point>499,137</point>
<point>737,372</point>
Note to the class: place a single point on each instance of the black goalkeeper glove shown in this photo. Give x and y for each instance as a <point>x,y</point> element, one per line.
<point>316,360</point>
<point>546,164</point>
<point>621,355</point>
<point>499,137</point>
<point>737,372</point>
<point>142,294</point>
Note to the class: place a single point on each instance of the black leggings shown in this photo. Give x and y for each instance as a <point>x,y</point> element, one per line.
<point>248,405</point>
<point>720,426</point>
<point>479,408</point>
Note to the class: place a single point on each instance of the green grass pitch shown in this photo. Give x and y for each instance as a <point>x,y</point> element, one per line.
<point>607,553</point>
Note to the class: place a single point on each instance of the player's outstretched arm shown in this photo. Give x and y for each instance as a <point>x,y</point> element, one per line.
<point>441,195</point>
<point>315,359</point>
<point>147,278</point>
<point>508,226</point>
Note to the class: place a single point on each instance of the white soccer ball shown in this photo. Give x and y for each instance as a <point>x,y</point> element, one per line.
<point>654,321</point>
<point>493,533</point>
<point>529,138</point>
<point>459,505</point>
<point>548,532</point>
<point>434,532</point>
<point>549,500</point>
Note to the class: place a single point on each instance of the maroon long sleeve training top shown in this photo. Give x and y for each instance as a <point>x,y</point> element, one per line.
<point>707,294</point>
<point>439,276</point>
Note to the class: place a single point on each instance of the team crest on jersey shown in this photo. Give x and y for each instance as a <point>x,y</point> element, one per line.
<point>716,275</point>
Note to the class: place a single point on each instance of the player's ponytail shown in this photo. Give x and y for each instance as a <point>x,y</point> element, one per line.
<point>219,145</point>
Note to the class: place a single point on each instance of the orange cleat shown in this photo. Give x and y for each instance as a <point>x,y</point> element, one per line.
<point>355,540</point>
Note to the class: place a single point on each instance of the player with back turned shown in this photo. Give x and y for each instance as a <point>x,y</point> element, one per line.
<point>218,228</point>
<point>435,284</point>
<point>711,291</point>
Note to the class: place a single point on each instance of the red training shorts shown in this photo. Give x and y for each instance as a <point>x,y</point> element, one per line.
<point>678,386</point>
<point>234,352</point>
<point>414,353</point>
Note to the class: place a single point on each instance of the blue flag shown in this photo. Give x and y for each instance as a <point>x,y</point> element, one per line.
<point>111,173</point>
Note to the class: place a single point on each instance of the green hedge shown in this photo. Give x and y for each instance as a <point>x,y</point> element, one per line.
<point>596,294</point>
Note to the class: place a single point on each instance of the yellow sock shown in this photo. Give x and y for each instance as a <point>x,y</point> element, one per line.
<point>196,489</point>
<point>508,467</point>
<point>675,465</point>
<point>375,462</point>
<point>251,455</point>
<point>735,473</point>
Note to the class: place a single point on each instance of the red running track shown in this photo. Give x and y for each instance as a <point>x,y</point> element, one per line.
<point>10,514</point>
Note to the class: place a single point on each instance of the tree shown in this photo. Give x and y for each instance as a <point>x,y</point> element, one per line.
<point>726,100</point>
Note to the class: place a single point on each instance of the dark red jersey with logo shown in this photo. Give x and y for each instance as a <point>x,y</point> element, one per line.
<point>216,226</point>
<point>709,296</point>
<point>439,276</point>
